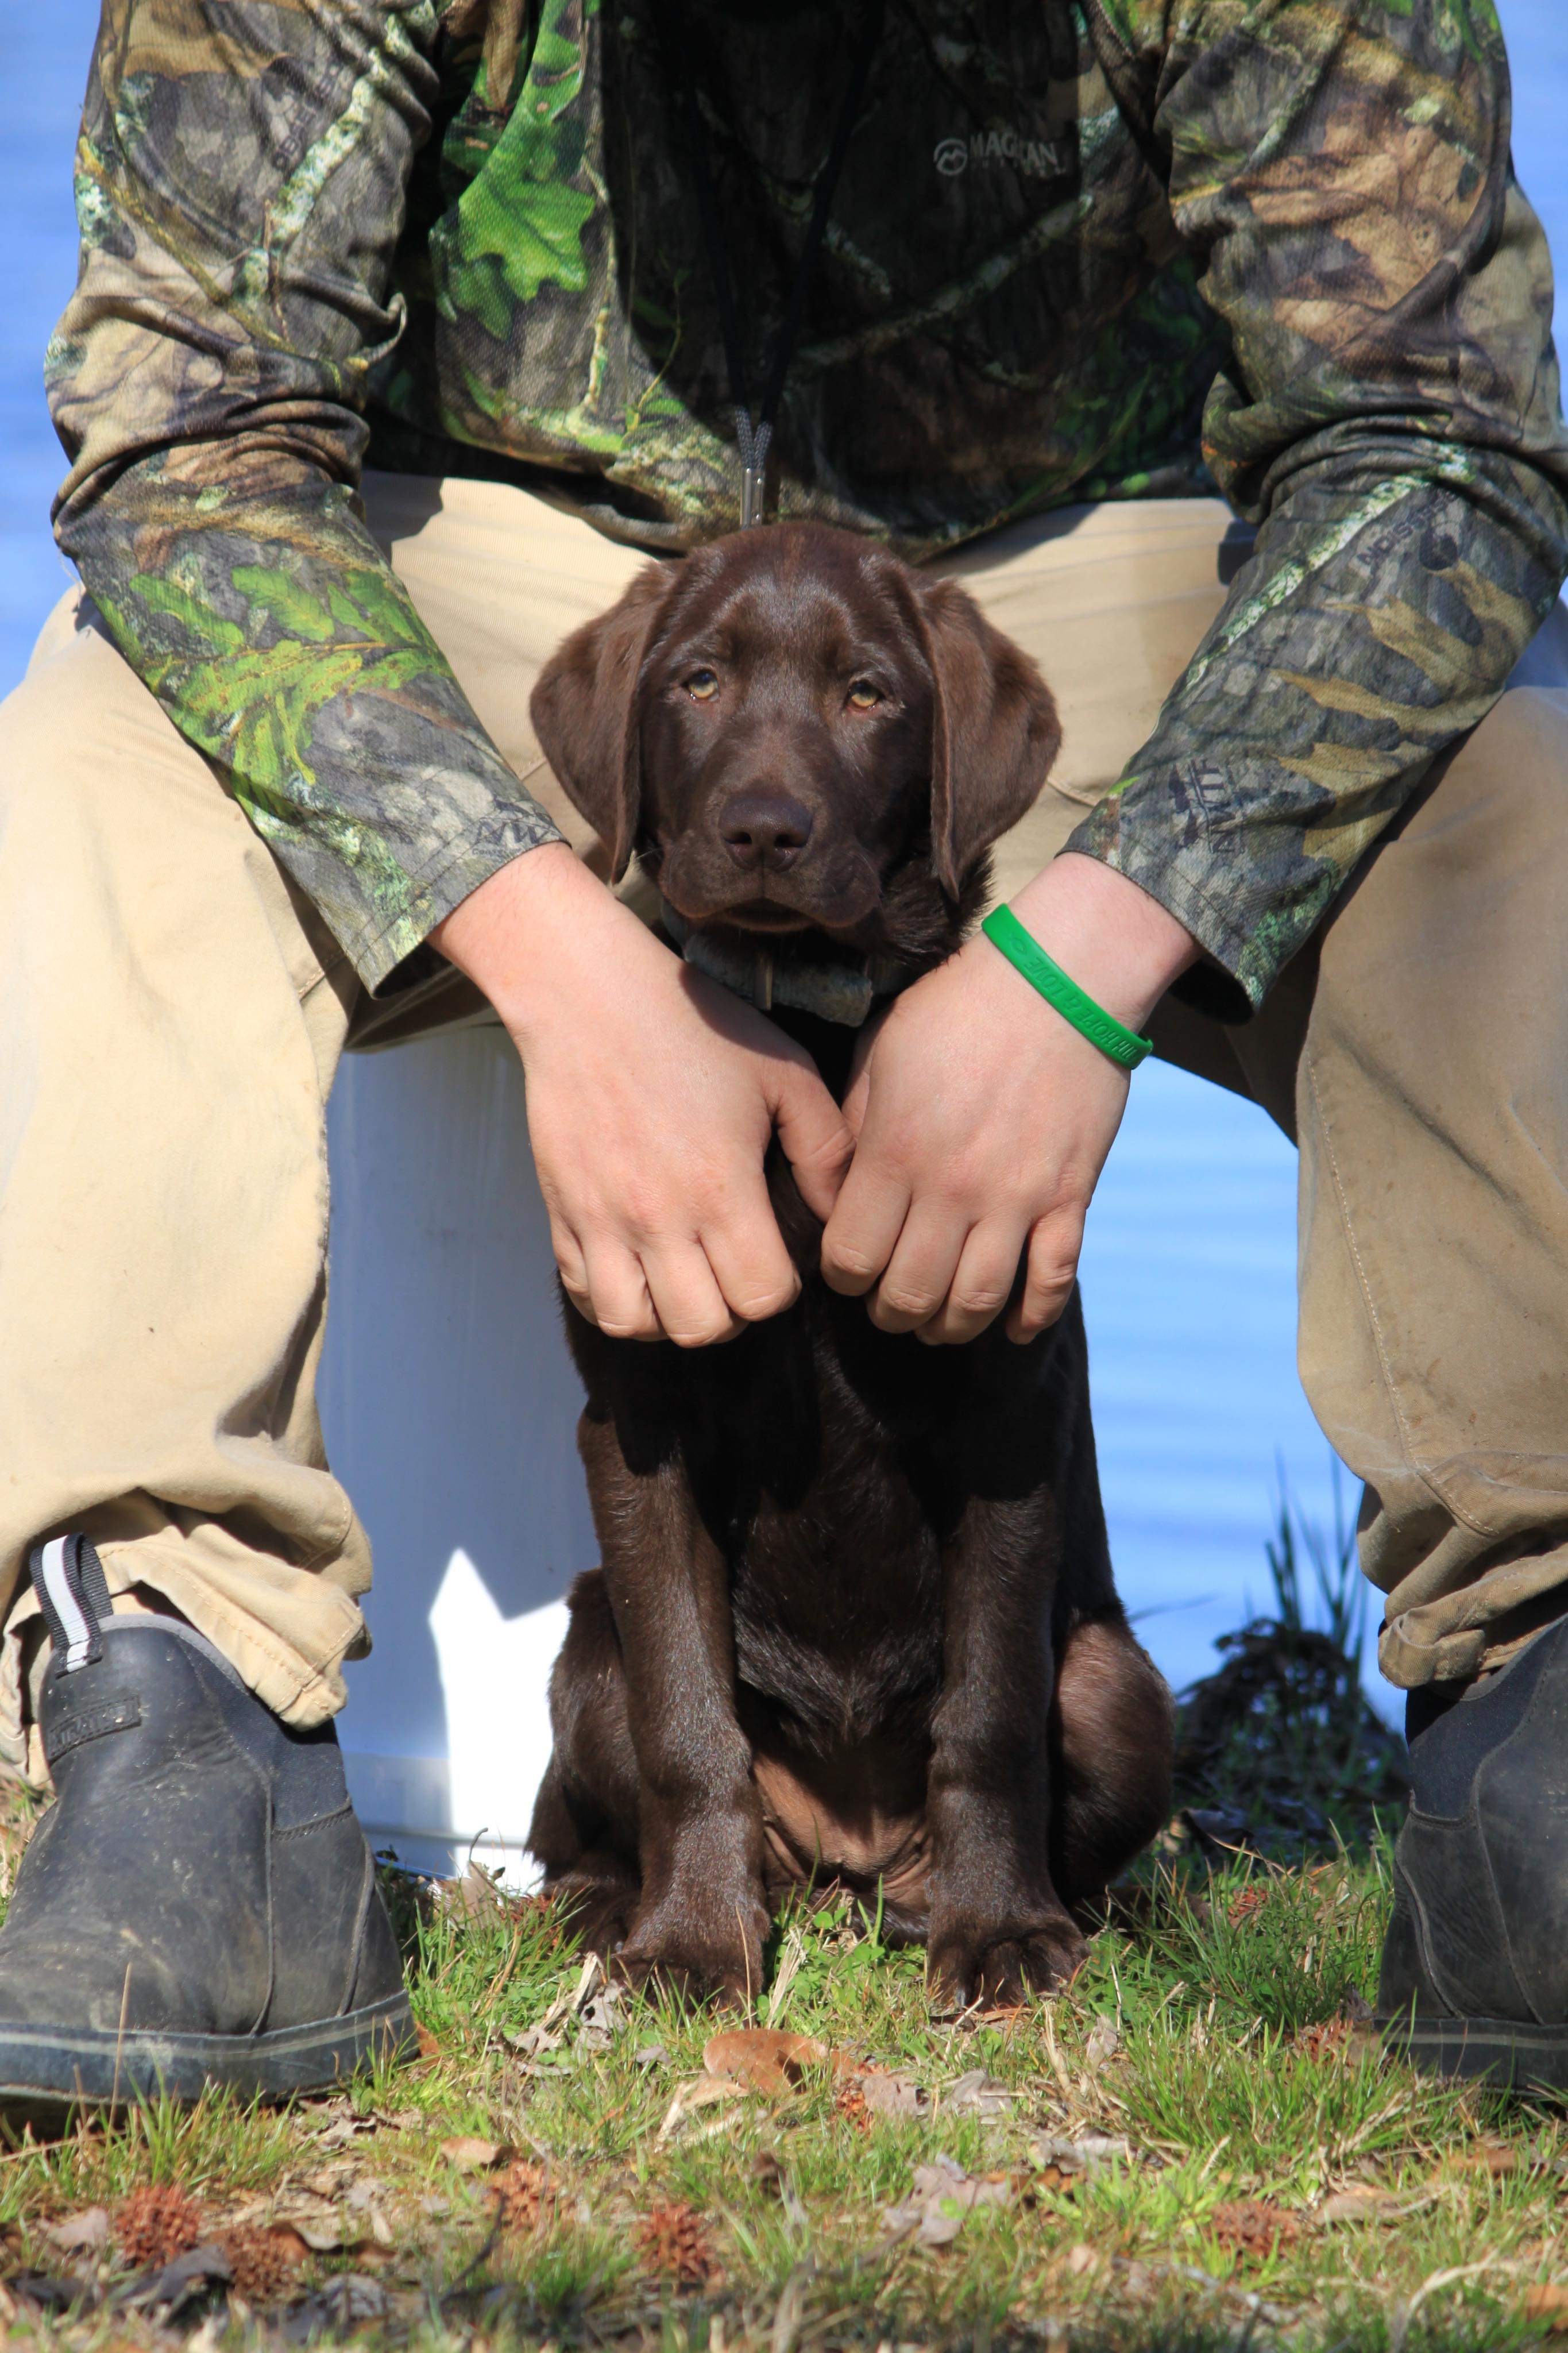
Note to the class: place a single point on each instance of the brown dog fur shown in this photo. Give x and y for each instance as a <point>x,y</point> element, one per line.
<point>855,1620</point>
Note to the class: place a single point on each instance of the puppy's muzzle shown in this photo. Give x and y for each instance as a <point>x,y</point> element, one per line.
<point>764,832</point>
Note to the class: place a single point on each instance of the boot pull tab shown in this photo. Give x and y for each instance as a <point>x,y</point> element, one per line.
<point>73,1593</point>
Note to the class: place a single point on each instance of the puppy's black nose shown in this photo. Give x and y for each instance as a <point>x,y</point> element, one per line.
<point>763,832</point>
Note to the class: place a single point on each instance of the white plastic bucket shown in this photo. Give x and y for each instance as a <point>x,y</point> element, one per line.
<point>450,1405</point>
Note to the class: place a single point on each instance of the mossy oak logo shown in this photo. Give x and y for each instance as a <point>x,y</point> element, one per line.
<point>1039,159</point>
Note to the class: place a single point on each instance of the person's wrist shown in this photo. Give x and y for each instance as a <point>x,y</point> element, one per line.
<point>521,935</point>
<point>1117,943</point>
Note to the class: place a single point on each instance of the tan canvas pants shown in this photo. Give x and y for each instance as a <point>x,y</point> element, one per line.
<point>174,1013</point>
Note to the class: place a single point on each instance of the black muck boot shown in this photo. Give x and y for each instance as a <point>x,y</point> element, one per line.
<point>1475,1966</point>
<point>199,1905</point>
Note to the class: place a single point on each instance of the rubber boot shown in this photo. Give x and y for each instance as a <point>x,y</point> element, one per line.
<point>1475,1964</point>
<point>199,1905</point>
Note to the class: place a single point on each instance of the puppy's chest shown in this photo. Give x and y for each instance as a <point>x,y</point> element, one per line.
<point>832,1534</point>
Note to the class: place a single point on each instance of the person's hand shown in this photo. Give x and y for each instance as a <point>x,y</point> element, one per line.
<point>984,1117</point>
<point>652,1097</point>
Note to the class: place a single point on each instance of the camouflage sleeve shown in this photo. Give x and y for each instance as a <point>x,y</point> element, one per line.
<point>1341,170</point>
<point>241,184</point>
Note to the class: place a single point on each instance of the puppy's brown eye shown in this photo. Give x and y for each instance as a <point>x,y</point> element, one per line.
<point>701,686</point>
<point>863,695</point>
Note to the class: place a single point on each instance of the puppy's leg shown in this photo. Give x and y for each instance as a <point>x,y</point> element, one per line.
<point>999,1928</point>
<point>585,1829</point>
<point>703,1916</point>
<point>1112,1728</point>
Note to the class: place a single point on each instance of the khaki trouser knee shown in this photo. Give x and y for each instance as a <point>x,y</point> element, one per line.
<point>1418,1051</point>
<point>174,1014</point>
<point>1433,1107</point>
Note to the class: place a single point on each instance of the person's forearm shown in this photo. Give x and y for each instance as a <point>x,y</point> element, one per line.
<point>1117,943</point>
<point>518,935</point>
<point>283,645</point>
<point>1387,415</point>
<point>1379,618</point>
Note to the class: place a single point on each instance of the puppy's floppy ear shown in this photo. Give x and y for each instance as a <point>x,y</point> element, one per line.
<point>585,711</point>
<point>995,731</point>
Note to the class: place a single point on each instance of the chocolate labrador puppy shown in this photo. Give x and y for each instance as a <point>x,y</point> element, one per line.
<point>856,1620</point>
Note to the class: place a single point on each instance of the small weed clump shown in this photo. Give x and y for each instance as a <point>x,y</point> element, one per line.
<point>1281,1748</point>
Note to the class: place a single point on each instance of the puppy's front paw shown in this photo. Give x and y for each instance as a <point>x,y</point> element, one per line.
<point>971,1962</point>
<point>678,1951</point>
<point>596,1907</point>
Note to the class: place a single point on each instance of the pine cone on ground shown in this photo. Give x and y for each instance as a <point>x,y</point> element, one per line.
<point>1245,1905</point>
<point>1254,2226</point>
<point>156,2224</point>
<point>522,2195</point>
<point>851,2106</point>
<point>1323,2042</point>
<point>264,2260</point>
<point>672,2241</point>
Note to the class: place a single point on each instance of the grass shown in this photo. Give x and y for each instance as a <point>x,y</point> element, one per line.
<point>1198,2146</point>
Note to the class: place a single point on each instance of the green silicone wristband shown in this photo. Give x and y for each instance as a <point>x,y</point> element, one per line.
<point>1004,931</point>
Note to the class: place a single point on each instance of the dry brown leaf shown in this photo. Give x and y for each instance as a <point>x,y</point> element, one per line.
<point>86,2233</point>
<point>1492,2157</point>
<point>941,2201</point>
<point>428,2046</point>
<point>699,2092</point>
<point>467,2155</point>
<point>1363,2202</point>
<point>1083,2259</point>
<point>325,2235</point>
<point>883,2092</point>
<point>1548,2302</point>
<point>765,2057</point>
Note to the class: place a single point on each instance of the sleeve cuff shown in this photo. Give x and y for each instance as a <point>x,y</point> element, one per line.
<point>377,951</point>
<point>1248,899</point>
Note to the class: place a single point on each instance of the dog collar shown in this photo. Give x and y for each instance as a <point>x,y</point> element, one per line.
<point>835,987</point>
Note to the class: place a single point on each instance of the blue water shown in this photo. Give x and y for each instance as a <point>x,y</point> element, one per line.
<point>1189,1272</point>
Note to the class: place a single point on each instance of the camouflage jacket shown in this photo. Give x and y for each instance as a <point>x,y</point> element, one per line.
<point>1080,249</point>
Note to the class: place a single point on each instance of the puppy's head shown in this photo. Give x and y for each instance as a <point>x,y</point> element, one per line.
<point>800,734</point>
